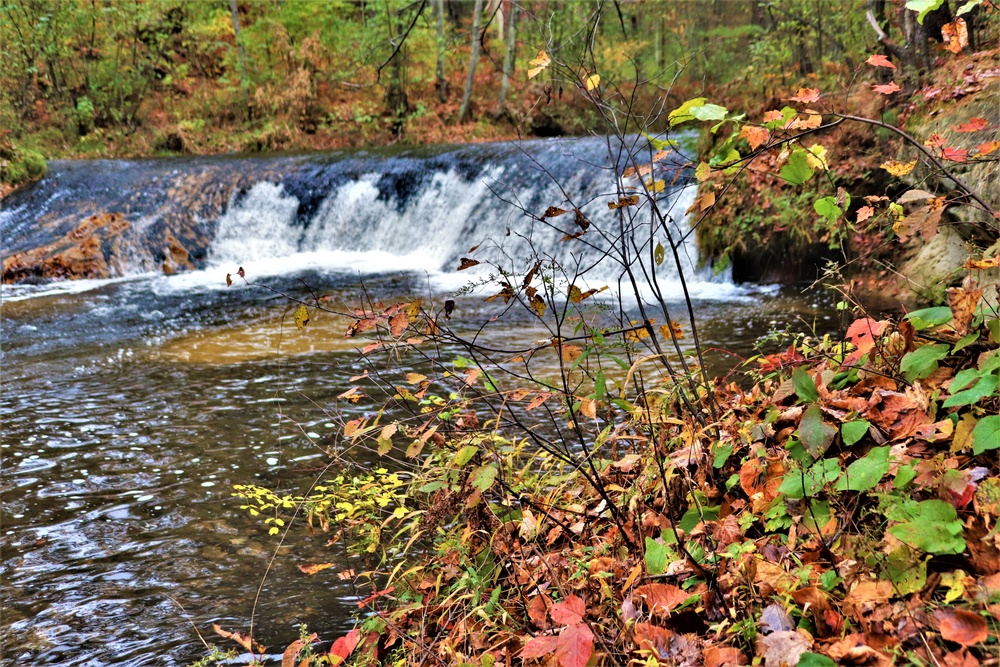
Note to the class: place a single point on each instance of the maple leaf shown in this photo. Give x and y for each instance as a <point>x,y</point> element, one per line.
<point>935,141</point>
<point>864,213</point>
<point>570,611</point>
<point>973,125</point>
<point>879,60</point>
<point>805,95</point>
<point>863,334</point>
<point>755,135</point>
<point>887,88</point>
<point>955,35</point>
<point>773,115</point>
<point>807,120</point>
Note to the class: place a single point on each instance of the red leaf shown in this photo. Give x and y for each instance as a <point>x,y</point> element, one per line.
<point>987,147</point>
<point>570,611</point>
<point>955,154</point>
<point>575,646</point>
<point>974,125</point>
<point>960,626</point>
<point>539,646</point>
<point>887,89</point>
<point>878,60</point>
<point>344,646</point>
<point>805,95</point>
<point>863,333</point>
<point>292,652</point>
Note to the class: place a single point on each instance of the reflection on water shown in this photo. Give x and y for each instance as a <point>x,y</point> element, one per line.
<point>128,414</point>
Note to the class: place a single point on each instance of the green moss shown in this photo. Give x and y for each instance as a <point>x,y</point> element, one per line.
<point>19,165</point>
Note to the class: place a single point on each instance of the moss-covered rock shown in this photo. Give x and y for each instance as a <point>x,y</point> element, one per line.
<point>18,165</point>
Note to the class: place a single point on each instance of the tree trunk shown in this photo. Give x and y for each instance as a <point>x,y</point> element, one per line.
<point>463,111</point>
<point>508,60</point>
<point>240,54</point>
<point>441,82</point>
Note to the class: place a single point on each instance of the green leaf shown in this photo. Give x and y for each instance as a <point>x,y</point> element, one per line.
<point>816,435</point>
<point>934,529</point>
<point>797,171</point>
<point>656,556</point>
<point>865,473</point>
<point>926,318</point>
<point>805,386</point>
<point>483,477</point>
<point>817,516</point>
<point>904,476</point>
<point>993,326</point>
<point>965,342</point>
<point>465,454</point>
<point>923,7</point>
<point>923,361</point>
<point>827,207</point>
<point>431,487</point>
<point>968,7</point>
<point>986,434</point>
<point>722,454</point>
<point>905,568</point>
<point>709,112</point>
<point>682,114</point>
<point>854,431</point>
<point>797,484</point>
<point>660,144</point>
<point>600,385</point>
<point>815,660</point>
<point>787,113</point>
<point>659,254</point>
<point>983,388</point>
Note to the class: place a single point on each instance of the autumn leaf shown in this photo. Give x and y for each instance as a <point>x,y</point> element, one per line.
<point>292,652</point>
<point>955,35</point>
<point>398,323</point>
<point>553,212</point>
<point>887,88</point>
<point>973,125</point>
<point>570,353</point>
<point>570,611</point>
<point>662,597</point>
<point>466,263</point>
<point>592,81</point>
<point>897,168</point>
<point>301,317</point>
<point>982,264</point>
<point>987,147</point>
<point>879,60</point>
<point>772,116</point>
<point>538,647</point>
<point>864,213</point>
<point>807,120</point>
<point>961,626</point>
<point>805,95</point>
<point>537,304</point>
<point>539,63</point>
<point>242,640</point>
<point>671,330</point>
<point>755,135</point>
<point>955,154</point>
<point>631,200</point>
<point>229,280</point>
<point>311,568</point>
<point>575,646</point>
<point>581,220</point>
<point>241,273</point>
<point>963,301</point>
<point>344,647</point>
<point>539,398</point>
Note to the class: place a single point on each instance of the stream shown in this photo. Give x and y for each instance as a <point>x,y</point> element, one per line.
<point>132,404</point>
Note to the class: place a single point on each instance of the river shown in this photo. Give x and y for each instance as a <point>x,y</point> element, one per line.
<point>132,404</point>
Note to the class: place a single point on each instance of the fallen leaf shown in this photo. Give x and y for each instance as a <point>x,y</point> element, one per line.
<point>661,597</point>
<point>539,646</point>
<point>242,640</point>
<point>784,648</point>
<point>887,89</point>
<point>575,646</point>
<point>311,569</point>
<point>723,656</point>
<point>570,611</point>
<point>961,626</point>
<point>963,301</point>
<point>879,60</point>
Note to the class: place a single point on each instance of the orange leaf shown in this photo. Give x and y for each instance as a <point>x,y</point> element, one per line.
<point>987,147</point>
<point>755,135</point>
<point>897,168</point>
<point>631,200</point>
<point>575,646</point>
<point>974,125</point>
<point>242,640</point>
<point>863,333</point>
<point>570,611</point>
<point>311,568</point>
<point>982,264</point>
<point>805,95</point>
<point>540,398</point>
<point>878,60</point>
<point>963,301</point>
<point>661,597</point>
<point>955,154</point>
<point>865,212</point>
<point>887,89</point>
<point>292,652</point>
<point>807,120</point>
<point>537,609</point>
<point>398,323</point>
<point>773,115</point>
<point>961,626</point>
<point>955,35</point>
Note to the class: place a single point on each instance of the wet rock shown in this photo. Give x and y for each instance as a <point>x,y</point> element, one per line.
<point>93,249</point>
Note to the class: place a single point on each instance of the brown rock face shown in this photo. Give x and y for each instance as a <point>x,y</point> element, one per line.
<point>93,249</point>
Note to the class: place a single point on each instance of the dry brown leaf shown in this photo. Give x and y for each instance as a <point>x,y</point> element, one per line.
<point>661,597</point>
<point>963,301</point>
<point>312,568</point>
<point>961,626</point>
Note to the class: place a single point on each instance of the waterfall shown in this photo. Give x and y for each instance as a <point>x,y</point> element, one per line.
<point>361,212</point>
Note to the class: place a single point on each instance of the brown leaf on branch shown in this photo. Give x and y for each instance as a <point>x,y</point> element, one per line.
<point>805,95</point>
<point>467,263</point>
<point>553,212</point>
<point>963,301</point>
<point>879,60</point>
<point>631,200</point>
<point>887,88</point>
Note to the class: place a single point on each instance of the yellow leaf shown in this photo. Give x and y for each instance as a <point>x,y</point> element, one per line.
<point>702,172</point>
<point>672,330</point>
<point>540,62</point>
<point>631,200</point>
<point>415,378</point>
<point>538,305</point>
<point>897,168</point>
<point>593,81</point>
<point>816,157</point>
<point>655,186</point>
<point>807,120</point>
<point>301,317</point>
<point>312,568</point>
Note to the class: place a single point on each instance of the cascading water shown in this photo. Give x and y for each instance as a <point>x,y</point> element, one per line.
<point>416,210</point>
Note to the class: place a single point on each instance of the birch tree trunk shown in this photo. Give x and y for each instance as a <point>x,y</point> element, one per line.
<point>441,83</point>
<point>463,111</point>
<point>508,61</point>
